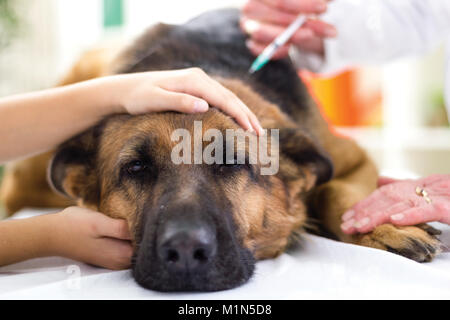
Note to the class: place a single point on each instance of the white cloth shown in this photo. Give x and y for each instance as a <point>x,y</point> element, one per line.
<point>319,269</point>
<point>379,31</point>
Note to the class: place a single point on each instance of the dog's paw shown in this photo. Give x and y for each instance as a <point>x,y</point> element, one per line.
<point>418,243</point>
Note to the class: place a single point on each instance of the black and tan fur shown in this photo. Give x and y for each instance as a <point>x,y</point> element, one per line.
<point>321,174</point>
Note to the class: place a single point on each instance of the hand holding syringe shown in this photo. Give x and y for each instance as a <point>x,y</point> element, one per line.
<point>266,20</point>
<point>280,41</point>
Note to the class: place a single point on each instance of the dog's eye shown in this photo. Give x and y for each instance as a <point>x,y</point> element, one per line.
<point>231,165</point>
<point>234,165</point>
<point>136,167</point>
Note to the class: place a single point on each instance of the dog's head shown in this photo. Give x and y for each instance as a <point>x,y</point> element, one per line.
<point>195,227</point>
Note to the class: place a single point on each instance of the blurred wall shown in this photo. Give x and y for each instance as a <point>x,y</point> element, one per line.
<point>142,13</point>
<point>54,32</point>
<point>27,63</point>
<point>51,34</point>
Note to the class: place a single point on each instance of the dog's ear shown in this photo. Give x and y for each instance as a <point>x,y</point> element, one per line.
<point>72,171</point>
<point>300,148</point>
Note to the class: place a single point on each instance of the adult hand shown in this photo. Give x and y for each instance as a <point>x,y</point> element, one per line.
<point>402,203</point>
<point>188,91</point>
<point>264,20</point>
<point>93,238</point>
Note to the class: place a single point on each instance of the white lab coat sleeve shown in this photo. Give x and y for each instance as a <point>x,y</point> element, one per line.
<point>377,31</point>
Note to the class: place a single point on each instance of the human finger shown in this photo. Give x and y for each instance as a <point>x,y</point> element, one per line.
<point>298,6</point>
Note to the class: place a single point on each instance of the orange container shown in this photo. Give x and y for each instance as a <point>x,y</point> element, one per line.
<point>352,98</point>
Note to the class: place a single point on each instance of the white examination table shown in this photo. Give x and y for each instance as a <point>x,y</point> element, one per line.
<point>320,269</point>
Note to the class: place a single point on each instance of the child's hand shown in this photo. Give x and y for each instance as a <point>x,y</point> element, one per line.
<point>402,203</point>
<point>47,124</point>
<point>93,238</point>
<point>188,91</point>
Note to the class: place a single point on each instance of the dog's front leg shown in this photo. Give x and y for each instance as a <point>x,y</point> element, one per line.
<point>333,199</point>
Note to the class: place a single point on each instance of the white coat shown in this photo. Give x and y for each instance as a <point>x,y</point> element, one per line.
<point>379,31</point>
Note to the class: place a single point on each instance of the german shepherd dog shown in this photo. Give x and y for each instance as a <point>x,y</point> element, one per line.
<point>202,227</point>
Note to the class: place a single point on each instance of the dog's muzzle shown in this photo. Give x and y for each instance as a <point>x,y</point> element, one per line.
<point>186,246</point>
<point>191,245</point>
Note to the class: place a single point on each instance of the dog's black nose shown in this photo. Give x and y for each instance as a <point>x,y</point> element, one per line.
<point>186,246</point>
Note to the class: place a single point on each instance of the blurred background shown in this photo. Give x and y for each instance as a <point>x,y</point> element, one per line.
<point>395,111</point>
